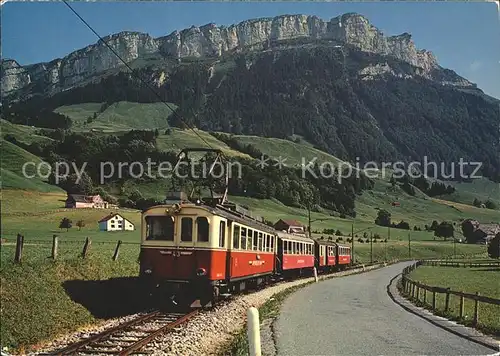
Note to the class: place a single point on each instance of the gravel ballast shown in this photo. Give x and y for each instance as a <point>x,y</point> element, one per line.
<point>205,333</point>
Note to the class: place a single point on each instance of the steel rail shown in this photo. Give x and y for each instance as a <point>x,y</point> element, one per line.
<point>75,347</point>
<point>141,343</point>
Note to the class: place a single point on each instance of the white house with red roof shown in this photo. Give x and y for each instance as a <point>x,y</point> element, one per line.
<point>115,222</point>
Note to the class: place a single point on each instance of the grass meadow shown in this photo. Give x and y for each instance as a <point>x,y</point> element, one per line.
<point>468,280</point>
<point>42,298</point>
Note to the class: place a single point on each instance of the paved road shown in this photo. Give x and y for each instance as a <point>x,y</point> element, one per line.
<point>354,315</point>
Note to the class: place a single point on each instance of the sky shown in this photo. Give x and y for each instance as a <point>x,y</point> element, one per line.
<point>465,37</point>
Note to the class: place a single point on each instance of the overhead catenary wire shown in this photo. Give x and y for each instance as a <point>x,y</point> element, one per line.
<point>135,74</point>
<point>148,85</point>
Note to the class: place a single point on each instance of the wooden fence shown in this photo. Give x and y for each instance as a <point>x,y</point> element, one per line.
<point>445,263</point>
<point>18,257</point>
<point>418,292</point>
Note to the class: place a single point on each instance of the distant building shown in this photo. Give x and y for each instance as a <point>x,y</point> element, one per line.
<point>75,201</point>
<point>290,226</point>
<point>475,232</point>
<point>115,222</point>
<point>396,203</point>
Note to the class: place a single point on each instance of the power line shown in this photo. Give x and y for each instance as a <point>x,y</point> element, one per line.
<point>137,76</point>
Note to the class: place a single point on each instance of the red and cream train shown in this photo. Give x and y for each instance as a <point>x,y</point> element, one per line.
<point>198,252</point>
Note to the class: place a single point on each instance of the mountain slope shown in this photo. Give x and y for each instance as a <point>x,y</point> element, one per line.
<point>342,85</point>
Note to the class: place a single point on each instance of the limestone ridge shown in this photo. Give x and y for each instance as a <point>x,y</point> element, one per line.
<point>210,41</point>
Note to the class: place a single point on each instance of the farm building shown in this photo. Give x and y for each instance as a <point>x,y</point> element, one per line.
<point>115,222</point>
<point>476,232</point>
<point>75,201</point>
<point>290,226</point>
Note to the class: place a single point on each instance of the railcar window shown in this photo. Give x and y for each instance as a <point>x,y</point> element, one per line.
<point>250,239</point>
<point>222,233</point>
<point>285,248</point>
<point>202,225</point>
<point>243,238</point>
<point>186,229</point>
<point>271,247</point>
<point>236,236</point>
<point>160,228</point>
<point>260,246</point>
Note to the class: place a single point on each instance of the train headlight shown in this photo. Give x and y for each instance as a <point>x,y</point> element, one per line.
<point>148,271</point>
<point>201,272</point>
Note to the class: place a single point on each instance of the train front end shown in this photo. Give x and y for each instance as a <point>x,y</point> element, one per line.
<point>178,263</point>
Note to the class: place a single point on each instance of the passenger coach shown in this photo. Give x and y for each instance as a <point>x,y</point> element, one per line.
<point>192,252</point>
<point>198,250</point>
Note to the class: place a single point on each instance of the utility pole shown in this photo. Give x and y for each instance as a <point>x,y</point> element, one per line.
<point>388,232</point>
<point>371,247</point>
<point>309,214</point>
<point>385,251</point>
<point>454,246</point>
<point>352,244</point>
<point>409,245</point>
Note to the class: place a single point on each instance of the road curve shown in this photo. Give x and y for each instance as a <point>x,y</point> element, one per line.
<point>354,315</point>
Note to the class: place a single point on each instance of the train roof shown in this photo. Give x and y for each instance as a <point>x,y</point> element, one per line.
<point>326,242</point>
<point>226,213</point>
<point>284,235</point>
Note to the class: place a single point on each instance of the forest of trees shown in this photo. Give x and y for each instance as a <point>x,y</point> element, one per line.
<point>431,189</point>
<point>286,184</point>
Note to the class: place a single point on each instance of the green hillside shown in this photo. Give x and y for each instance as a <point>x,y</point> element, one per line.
<point>483,189</point>
<point>118,116</point>
<point>22,133</point>
<point>179,139</point>
<point>419,210</point>
<point>294,152</point>
<point>13,159</point>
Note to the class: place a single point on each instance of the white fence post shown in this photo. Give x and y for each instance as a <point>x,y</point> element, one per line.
<point>315,274</point>
<point>253,331</point>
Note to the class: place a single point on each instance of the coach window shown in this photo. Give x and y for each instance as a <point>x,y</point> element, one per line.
<point>261,243</point>
<point>187,229</point>
<point>271,246</point>
<point>202,224</point>
<point>160,228</point>
<point>243,238</point>
<point>255,240</point>
<point>236,236</point>
<point>249,239</point>
<point>222,233</point>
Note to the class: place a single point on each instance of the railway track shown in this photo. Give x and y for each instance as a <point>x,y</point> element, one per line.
<point>130,337</point>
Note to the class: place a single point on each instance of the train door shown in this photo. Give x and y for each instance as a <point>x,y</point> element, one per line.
<point>184,255</point>
<point>232,244</point>
<point>279,255</point>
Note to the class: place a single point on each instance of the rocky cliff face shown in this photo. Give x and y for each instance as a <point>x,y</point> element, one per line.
<point>211,41</point>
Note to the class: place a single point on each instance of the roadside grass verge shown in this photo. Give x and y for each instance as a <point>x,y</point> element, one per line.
<point>42,298</point>
<point>468,280</point>
<point>238,346</point>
